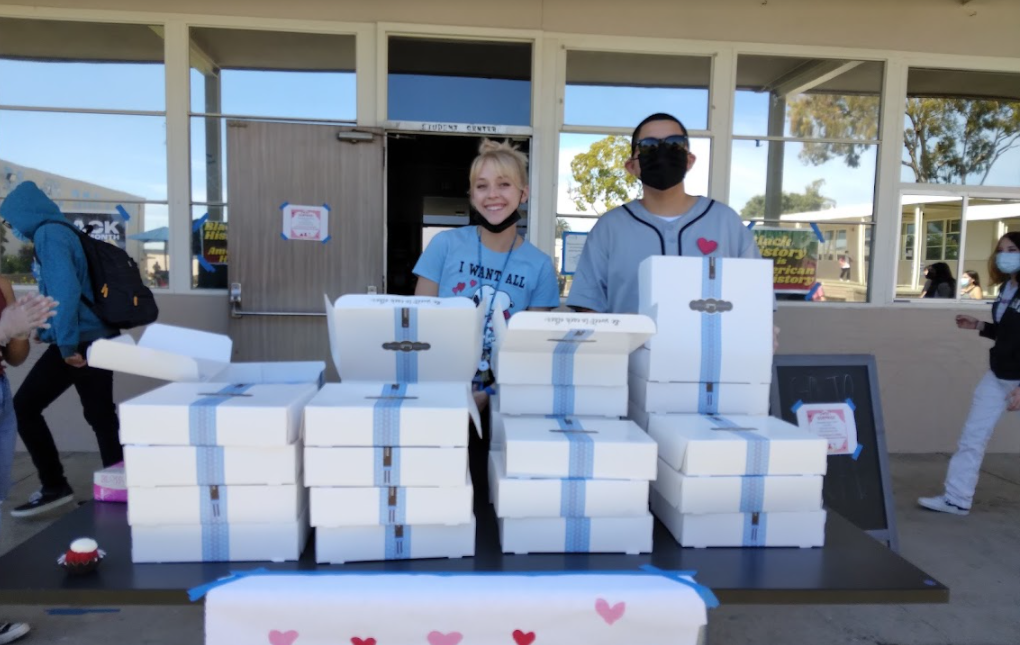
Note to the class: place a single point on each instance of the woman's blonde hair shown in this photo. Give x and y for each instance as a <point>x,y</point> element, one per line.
<point>508,161</point>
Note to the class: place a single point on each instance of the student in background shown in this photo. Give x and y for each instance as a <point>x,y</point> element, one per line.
<point>970,286</point>
<point>939,282</point>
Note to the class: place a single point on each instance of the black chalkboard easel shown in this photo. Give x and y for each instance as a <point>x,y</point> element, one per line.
<point>858,488</point>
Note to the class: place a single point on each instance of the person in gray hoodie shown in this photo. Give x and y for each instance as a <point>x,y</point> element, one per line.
<point>63,275</point>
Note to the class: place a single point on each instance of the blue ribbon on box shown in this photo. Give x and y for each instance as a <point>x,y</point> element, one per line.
<point>202,414</point>
<point>563,369</point>
<point>386,415</point>
<point>572,497</point>
<point>755,529</point>
<point>578,535</point>
<point>582,448</point>
<point>398,542</point>
<point>387,466</point>
<point>757,456</point>
<point>392,506</point>
<point>209,469</point>
<point>215,525</point>
<point>711,337</point>
<point>405,328</point>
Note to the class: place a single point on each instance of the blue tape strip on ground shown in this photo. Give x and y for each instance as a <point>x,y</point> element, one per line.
<point>215,525</point>
<point>755,533</point>
<point>818,233</point>
<point>577,538</point>
<point>198,592</point>
<point>387,474</point>
<point>752,494</point>
<point>398,542</point>
<point>202,415</point>
<point>78,611</point>
<point>711,336</point>
<point>392,510</point>
<point>197,224</point>
<point>756,459</point>
<point>582,449</point>
<point>386,415</point>
<point>123,213</point>
<point>857,452</point>
<point>811,292</point>
<point>573,497</point>
<point>202,262</point>
<point>850,403</point>
<point>407,362</point>
<point>796,406</point>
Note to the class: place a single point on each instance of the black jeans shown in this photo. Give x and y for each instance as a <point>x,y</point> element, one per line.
<point>49,378</point>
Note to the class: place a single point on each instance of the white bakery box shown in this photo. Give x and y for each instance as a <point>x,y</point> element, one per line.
<point>337,545</point>
<point>149,466</point>
<point>729,299</point>
<point>161,505</point>
<point>407,466</point>
<point>802,529</point>
<point>629,535</point>
<point>691,398</point>
<point>584,447</point>
<point>739,494</point>
<point>174,353</point>
<point>718,445</point>
<point>386,506</point>
<point>518,498</point>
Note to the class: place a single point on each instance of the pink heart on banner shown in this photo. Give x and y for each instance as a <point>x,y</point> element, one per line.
<point>438,638</point>
<point>707,246</point>
<point>282,638</point>
<point>610,614</point>
<point>474,282</point>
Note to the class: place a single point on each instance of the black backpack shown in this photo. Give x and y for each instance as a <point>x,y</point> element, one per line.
<point>121,299</point>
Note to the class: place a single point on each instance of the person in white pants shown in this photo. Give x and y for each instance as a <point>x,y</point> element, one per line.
<point>997,392</point>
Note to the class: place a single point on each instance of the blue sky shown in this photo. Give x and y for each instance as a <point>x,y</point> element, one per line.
<point>128,153</point>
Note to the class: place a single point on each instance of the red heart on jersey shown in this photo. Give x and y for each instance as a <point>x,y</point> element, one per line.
<point>523,639</point>
<point>362,641</point>
<point>707,246</point>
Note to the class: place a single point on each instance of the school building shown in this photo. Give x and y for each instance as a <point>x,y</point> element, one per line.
<point>890,130</point>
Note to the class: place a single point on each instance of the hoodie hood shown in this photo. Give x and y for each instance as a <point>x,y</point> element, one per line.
<point>26,207</point>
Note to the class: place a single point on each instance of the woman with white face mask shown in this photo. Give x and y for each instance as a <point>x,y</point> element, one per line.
<point>997,392</point>
<point>970,286</point>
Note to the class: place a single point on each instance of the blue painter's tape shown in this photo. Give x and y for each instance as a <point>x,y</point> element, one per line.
<point>202,262</point>
<point>578,535</point>
<point>755,529</point>
<point>811,292</point>
<point>78,611</point>
<point>284,237</point>
<point>326,206</point>
<point>387,467</point>
<point>284,205</point>
<point>209,466</point>
<point>392,506</point>
<point>682,577</point>
<point>197,224</point>
<point>398,542</point>
<point>572,497</point>
<point>386,415</point>
<point>582,448</point>
<point>327,238</point>
<point>930,582</point>
<point>215,525</point>
<point>123,213</point>
<point>752,494</point>
<point>850,404</point>
<point>750,225</point>
<point>711,336</point>
<point>796,406</point>
<point>406,331</point>
<point>202,414</point>
<point>818,233</point>
<point>756,458</point>
<point>857,452</point>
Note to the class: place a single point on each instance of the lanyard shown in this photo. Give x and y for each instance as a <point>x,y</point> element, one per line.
<point>495,290</point>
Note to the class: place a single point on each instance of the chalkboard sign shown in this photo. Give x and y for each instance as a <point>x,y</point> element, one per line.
<point>856,486</point>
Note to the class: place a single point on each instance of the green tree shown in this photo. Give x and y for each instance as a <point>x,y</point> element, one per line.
<point>600,177</point>
<point>810,200</point>
<point>945,140</point>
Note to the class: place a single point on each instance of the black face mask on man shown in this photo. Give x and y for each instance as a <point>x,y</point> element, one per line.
<point>479,219</point>
<point>663,162</point>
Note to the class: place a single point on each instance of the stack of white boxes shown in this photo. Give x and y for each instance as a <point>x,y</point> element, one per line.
<point>386,449</point>
<point>212,463</point>
<point>566,473</point>
<point>728,475</point>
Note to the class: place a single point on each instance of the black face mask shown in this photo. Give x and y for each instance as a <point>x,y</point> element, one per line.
<point>479,219</point>
<point>663,167</point>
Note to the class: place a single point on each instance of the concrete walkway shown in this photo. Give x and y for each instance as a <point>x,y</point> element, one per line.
<point>978,557</point>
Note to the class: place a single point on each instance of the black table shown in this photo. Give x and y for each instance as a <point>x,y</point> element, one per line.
<point>851,568</point>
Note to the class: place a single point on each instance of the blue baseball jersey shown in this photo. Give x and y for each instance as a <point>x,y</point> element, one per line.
<point>606,279</point>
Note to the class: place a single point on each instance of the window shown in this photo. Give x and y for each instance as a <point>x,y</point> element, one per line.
<point>812,125</point>
<point>82,114</point>
<point>239,74</point>
<point>942,240</point>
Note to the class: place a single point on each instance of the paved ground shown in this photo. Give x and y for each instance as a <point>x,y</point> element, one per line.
<point>978,557</point>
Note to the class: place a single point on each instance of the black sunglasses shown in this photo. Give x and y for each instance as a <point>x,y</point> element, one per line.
<point>649,144</point>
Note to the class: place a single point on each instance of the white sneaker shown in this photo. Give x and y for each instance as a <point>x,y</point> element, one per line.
<point>942,505</point>
<point>10,632</point>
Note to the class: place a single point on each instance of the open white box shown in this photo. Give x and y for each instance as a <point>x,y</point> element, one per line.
<point>560,348</point>
<point>147,466</point>
<point>804,529</point>
<point>404,339</point>
<point>189,355</point>
<point>248,542</point>
<point>591,448</point>
<point>379,506</point>
<point>337,545</point>
<point>690,398</point>
<point>234,504</point>
<point>723,304</point>
<point>390,414</point>
<point>630,535</point>
<point>215,414</point>
<point>361,466</point>
<point>745,494</point>
<point>701,445</point>
<point>547,498</point>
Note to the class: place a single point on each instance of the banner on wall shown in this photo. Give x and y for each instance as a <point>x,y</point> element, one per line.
<point>214,242</point>
<point>106,227</point>
<point>794,255</point>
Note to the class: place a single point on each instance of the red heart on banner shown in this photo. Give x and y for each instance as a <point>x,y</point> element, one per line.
<point>523,639</point>
<point>362,641</point>
<point>707,246</point>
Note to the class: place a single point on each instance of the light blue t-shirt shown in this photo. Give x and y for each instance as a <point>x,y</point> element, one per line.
<point>606,279</point>
<point>461,265</point>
